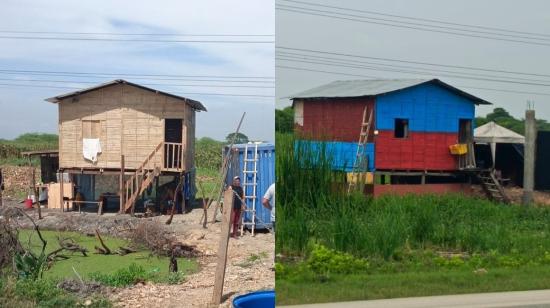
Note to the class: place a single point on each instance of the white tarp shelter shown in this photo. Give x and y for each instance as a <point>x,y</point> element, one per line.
<point>493,133</point>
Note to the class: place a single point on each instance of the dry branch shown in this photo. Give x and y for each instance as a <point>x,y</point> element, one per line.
<point>125,250</point>
<point>104,250</point>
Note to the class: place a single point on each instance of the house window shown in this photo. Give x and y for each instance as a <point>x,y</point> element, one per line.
<point>91,129</point>
<point>401,128</point>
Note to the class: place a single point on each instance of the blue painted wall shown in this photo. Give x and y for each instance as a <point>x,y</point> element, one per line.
<point>265,177</point>
<point>342,154</point>
<point>429,108</point>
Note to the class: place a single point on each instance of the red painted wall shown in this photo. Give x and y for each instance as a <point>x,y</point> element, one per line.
<point>420,151</point>
<point>337,119</point>
<point>400,190</point>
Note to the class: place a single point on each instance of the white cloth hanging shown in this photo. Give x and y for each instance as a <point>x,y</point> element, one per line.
<point>90,149</point>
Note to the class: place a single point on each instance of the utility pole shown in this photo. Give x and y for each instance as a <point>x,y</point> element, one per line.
<point>529,156</point>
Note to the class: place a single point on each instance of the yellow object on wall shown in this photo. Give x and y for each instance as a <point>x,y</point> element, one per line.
<point>364,177</point>
<point>458,149</point>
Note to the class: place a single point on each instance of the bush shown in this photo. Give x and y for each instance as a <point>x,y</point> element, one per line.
<point>122,277</point>
<point>134,274</point>
<point>324,261</point>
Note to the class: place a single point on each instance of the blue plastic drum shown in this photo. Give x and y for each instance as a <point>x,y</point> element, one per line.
<point>261,299</point>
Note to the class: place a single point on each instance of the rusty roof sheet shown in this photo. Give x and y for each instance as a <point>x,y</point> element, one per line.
<point>374,87</point>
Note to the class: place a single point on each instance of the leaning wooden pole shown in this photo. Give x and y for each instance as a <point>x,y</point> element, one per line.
<point>222,248</point>
<point>204,205</point>
<point>223,172</point>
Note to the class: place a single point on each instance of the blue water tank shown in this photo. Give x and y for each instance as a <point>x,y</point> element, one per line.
<point>265,176</point>
<point>261,299</point>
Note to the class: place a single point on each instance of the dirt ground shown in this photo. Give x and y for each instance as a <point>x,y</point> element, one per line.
<point>540,197</point>
<point>249,265</point>
<point>515,194</point>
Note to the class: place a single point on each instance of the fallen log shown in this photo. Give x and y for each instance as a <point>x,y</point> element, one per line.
<point>125,250</point>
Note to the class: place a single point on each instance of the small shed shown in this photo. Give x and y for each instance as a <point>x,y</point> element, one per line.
<point>492,134</point>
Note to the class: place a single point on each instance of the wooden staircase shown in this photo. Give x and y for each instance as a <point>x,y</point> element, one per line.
<point>172,160</point>
<point>491,186</point>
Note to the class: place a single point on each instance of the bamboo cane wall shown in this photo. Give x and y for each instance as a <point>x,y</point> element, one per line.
<point>130,123</point>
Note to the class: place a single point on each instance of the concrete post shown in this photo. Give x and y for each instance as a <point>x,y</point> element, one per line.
<point>529,157</point>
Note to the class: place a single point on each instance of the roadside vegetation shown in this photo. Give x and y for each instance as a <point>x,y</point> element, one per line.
<point>337,247</point>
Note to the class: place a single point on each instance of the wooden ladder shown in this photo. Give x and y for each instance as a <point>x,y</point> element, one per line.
<point>141,179</point>
<point>361,163</point>
<point>250,187</point>
<point>491,186</point>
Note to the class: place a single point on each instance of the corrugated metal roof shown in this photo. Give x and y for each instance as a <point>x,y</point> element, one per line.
<point>374,87</point>
<point>193,103</point>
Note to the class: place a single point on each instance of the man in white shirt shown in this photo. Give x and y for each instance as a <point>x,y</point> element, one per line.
<point>268,202</point>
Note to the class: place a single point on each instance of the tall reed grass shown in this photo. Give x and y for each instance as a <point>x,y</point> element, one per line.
<point>312,208</point>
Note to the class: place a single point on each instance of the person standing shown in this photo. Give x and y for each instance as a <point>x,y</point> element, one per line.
<point>268,202</point>
<point>238,206</point>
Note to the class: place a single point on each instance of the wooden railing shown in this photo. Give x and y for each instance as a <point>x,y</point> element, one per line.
<point>172,160</point>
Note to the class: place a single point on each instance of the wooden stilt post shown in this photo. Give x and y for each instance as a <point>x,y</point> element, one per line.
<point>529,155</point>
<point>122,190</point>
<point>222,249</point>
<point>35,190</point>
<point>61,184</point>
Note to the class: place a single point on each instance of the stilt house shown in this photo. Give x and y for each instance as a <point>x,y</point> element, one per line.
<point>410,126</point>
<point>127,133</point>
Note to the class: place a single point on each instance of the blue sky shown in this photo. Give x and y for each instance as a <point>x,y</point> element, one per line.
<point>23,109</point>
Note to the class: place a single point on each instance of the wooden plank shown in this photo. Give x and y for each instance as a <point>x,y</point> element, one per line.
<point>54,194</point>
<point>222,248</point>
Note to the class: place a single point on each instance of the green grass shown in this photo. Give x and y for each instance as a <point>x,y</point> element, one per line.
<point>43,293</point>
<point>103,264</point>
<point>376,248</point>
<point>409,284</point>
